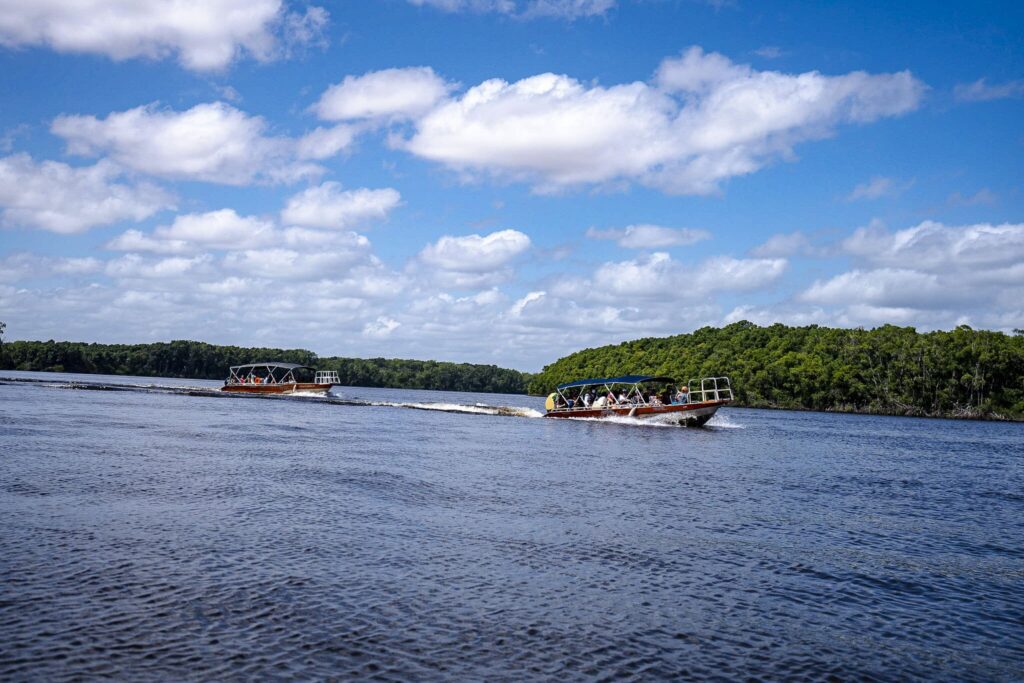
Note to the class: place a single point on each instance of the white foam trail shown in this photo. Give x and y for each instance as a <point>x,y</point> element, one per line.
<point>478,409</point>
<point>723,421</point>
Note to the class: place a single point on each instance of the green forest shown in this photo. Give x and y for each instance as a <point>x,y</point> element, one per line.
<point>198,360</point>
<point>888,370</point>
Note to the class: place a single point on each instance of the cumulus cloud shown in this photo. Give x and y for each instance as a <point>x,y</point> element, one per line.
<point>928,275</point>
<point>475,253</point>
<point>222,229</point>
<point>660,277</point>
<point>935,247</point>
<point>21,267</point>
<point>328,206</point>
<point>291,264</point>
<point>982,91</point>
<point>132,266</point>
<point>323,143</point>
<point>213,142</point>
<point>703,120</point>
<point>64,199</point>
<point>204,35</point>
<point>566,9</point>
<point>388,94</point>
<point>649,236</point>
<point>470,261</point>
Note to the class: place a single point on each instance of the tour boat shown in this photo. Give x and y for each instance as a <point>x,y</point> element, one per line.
<point>277,378</point>
<point>640,396</point>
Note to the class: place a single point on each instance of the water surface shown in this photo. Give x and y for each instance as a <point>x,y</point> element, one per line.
<point>152,534</point>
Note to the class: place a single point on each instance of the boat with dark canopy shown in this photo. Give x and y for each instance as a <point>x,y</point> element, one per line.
<point>278,378</point>
<point>641,396</point>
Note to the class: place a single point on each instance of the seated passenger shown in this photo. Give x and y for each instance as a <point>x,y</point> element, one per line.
<point>587,399</point>
<point>683,396</point>
<point>622,398</point>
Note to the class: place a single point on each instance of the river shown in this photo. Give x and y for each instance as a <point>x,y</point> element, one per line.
<point>149,533</point>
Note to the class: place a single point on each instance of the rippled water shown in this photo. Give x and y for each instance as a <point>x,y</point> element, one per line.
<point>157,534</point>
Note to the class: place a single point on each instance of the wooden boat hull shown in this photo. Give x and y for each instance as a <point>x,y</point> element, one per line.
<point>289,388</point>
<point>694,414</point>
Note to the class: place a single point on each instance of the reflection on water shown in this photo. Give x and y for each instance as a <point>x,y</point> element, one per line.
<point>159,532</point>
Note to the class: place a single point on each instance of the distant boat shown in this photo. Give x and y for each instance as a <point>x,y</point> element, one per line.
<point>640,396</point>
<point>277,378</point>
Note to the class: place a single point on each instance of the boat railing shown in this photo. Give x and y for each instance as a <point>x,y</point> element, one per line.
<point>711,389</point>
<point>326,377</point>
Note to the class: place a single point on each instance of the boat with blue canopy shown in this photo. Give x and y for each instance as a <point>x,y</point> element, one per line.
<point>641,396</point>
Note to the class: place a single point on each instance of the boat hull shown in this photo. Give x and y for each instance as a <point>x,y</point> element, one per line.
<point>289,388</point>
<point>694,414</point>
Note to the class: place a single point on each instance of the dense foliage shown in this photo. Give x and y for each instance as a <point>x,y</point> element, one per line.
<point>197,360</point>
<point>889,370</point>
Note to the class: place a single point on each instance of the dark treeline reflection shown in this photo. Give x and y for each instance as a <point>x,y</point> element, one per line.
<point>887,370</point>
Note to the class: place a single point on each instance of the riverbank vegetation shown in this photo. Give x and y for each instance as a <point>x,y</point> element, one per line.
<point>198,360</point>
<point>888,370</point>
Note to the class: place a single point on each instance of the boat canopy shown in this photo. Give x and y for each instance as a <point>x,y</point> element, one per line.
<point>283,366</point>
<point>625,379</point>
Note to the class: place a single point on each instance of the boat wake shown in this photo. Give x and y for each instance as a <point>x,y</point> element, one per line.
<point>475,409</point>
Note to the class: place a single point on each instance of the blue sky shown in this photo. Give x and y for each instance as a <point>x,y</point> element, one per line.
<point>505,181</point>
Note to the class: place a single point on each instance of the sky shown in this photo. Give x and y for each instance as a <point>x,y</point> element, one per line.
<point>505,181</point>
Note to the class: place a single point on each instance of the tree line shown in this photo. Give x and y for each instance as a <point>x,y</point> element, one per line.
<point>887,370</point>
<point>198,360</point>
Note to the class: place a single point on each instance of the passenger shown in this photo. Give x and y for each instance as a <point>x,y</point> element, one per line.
<point>655,400</point>
<point>622,398</point>
<point>588,398</point>
<point>684,395</point>
<point>610,398</point>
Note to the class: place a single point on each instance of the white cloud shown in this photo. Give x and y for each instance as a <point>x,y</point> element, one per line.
<point>650,236</point>
<point>475,253</point>
<point>566,9</point>
<point>213,142</point>
<point>930,275</point>
<point>20,267</point>
<point>380,328</point>
<point>387,94</point>
<point>706,119</point>
<point>782,244</point>
<point>891,287</point>
<point>291,264</point>
<point>328,206</point>
<point>136,240</point>
<point>981,91</point>
<point>132,266</point>
<point>938,248</point>
<point>222,229</point>
<point>323,143</point>
<point>878,187</point>
<point>64,199</point>
<point>203,34</point>
<point>659,277</point>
